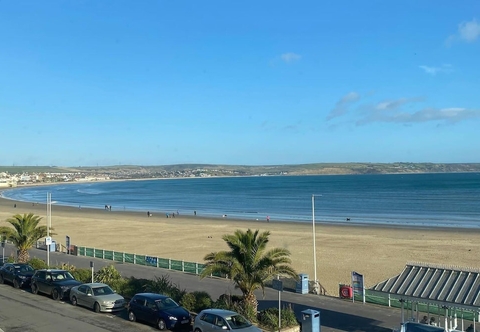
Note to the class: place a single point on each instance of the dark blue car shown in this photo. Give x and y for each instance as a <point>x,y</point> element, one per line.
<point>160,310</point>
<point>18,274</point>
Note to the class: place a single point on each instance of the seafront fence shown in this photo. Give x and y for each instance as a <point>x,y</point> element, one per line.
<point>197,268</point>
<point>411,309</point>
<point>145,260</point>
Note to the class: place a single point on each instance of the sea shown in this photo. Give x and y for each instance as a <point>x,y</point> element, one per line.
<point>428,200</point>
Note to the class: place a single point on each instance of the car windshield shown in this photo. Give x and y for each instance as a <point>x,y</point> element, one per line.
<point>166,303</point>
<point>24,268</point>
<point>58,276</point>
<point>238,322</point>
<point>103,290</point>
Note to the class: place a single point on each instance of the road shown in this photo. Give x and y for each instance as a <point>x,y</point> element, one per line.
<point>336,315</point>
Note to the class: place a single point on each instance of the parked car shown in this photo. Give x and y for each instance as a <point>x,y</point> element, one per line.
<point>214,320</point>
<point>56,283</point>
<point>97,296</point>
<point>18,274</point>
<point>158,309</point>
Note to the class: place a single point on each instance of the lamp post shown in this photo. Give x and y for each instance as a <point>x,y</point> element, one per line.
<point>49,215</point>
<point>316,286</point>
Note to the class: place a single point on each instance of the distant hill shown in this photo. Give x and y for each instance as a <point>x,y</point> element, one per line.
<point>132,171</point>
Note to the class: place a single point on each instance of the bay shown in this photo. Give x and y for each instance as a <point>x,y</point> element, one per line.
<point>437,200</point>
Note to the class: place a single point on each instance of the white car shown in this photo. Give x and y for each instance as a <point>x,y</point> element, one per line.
<point>97,296</point>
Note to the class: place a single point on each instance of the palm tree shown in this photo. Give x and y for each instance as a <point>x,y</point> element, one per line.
<point>248,263</point>
<point>24,234</point>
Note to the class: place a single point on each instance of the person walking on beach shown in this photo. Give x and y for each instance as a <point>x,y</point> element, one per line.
<point>268,218</point>
<point>194,213</point>
<point>173,214</point>
<point>148,213</point>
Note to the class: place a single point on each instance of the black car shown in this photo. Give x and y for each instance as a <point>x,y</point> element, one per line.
<point>56,283</point>
<point>18,274</point>
<point>160,310</point>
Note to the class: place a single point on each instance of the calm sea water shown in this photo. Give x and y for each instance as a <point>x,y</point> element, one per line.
<point>448,200</point>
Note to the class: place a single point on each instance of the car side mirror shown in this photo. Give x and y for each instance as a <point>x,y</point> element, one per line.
<point>224,327</point>
<point>89,294</point>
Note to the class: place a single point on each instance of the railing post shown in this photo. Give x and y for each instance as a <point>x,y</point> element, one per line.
<point>196,268</point>
<point>157,262</point>
<point>93,252</point>
<point>389,301</point>
<point>169,264</point>
<point>134,259</point>
<point>183,266</point>
<point>103,253</point>
<point>123,257</point>
<point>113,255</point>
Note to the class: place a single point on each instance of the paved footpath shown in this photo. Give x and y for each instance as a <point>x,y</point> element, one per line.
<point>336,315</point>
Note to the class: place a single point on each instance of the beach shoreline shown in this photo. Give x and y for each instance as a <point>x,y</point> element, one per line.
<point>377,251</point>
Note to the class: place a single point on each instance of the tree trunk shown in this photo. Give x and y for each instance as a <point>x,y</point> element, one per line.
<point>250,306</point>
<point>23,256</point>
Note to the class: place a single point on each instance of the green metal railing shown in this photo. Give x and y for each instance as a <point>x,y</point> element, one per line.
<point>164,263</point>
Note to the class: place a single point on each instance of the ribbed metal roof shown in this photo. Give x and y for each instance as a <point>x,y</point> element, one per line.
<point>430,283</point>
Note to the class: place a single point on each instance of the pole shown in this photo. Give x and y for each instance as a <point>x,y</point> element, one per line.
<point>279,310</point>
<point>48,228</point>
<point>91,265</point>
<point>314,248</point>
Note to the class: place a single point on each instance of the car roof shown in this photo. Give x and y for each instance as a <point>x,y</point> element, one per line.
<point>95,284</point>
<point>153,296</point>
<point>53,270</point>
<point>220,312</point>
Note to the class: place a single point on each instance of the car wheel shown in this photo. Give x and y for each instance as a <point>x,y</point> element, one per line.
<point>131,316</point>
<point>161,324</point>
<point>74,300</point>
<point>197,330</point>
<point>15,283</point>
<point>1,279</point>
<point>96,307</point>
<point>34,289</point>
<point>55,294</point>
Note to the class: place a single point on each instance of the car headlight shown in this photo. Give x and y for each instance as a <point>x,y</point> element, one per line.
<point>172,318</point>
<point>22,277</point>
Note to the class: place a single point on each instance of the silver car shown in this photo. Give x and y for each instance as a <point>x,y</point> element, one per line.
<point>214,320</point>
<point>97,296</point>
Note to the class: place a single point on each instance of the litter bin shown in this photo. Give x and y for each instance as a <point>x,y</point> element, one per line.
<point>52,246</point>
<point>310,321</point>
<point>302,284</point>
<point>345,291</point>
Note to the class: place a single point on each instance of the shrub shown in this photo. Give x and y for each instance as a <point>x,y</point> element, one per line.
<point>107,274</point>
<point>83,275</point>
<point>163,285</point>
<point>268,318</point>
<point>188,302</point>
<point>37,263</point>
<point>132,286</point>
<point>227,302</point>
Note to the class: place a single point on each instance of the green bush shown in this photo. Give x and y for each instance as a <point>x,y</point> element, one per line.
<point>164,285</point>
<point>268,318</point>
<point>107,274</point>
<point>227,302</point>
<point>83,275</point>
<point>132,286</point>
<point>188,302</point>
<point>37,263</point>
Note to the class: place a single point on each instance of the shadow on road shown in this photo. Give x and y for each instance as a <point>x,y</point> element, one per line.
<point>331,319</point>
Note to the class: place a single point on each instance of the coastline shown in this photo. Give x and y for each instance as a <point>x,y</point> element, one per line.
<point>377,251</point>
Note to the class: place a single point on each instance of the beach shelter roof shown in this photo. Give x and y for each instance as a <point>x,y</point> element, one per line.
<point>450,286</point>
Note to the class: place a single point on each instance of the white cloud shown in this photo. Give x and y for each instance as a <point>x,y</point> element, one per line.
<point>290,57</point>
<point>446,115</point>
<point>341,107</point>
<point>445,68</point>
<point>468,31</point>
<point>394,104</point>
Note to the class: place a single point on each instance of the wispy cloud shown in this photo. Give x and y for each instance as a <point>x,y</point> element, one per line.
<point>468,31</point>
<point>290,57</point>
<point>401,111</point>
<point>445,68</point>
<point>394,104</point>
<point>445,115</point>
<point>341,107</point>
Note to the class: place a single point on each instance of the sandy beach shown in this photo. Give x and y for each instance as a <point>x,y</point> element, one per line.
<point>375,251</point>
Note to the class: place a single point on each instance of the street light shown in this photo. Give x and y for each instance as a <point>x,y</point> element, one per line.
<point>316,286</point>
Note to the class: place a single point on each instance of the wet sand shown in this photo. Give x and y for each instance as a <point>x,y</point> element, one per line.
<point>377,252</point>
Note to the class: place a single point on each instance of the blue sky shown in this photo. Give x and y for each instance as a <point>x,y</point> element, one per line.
<point>249,82</point>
